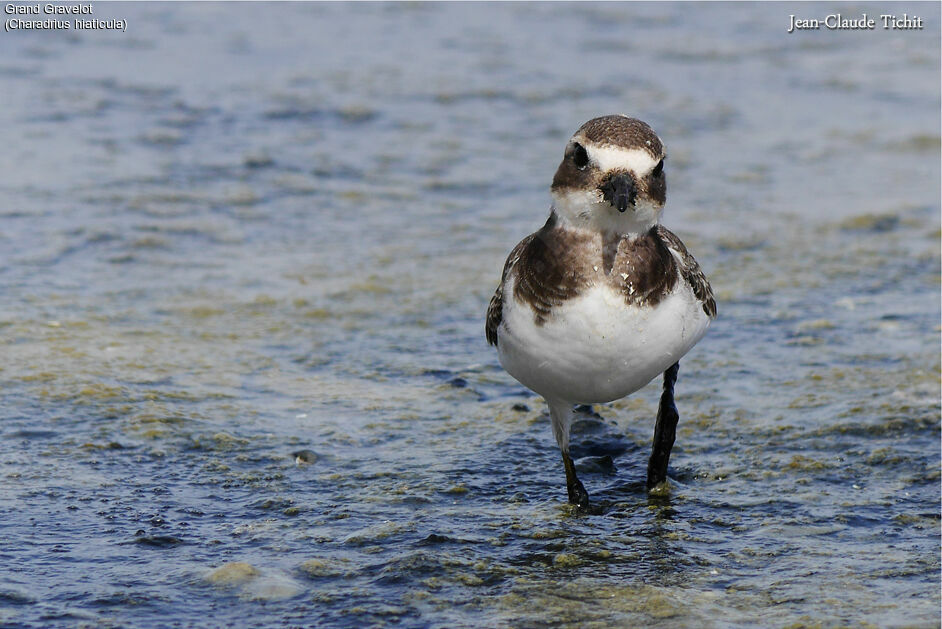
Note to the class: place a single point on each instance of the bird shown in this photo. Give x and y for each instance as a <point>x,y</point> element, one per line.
<point>603,298</point>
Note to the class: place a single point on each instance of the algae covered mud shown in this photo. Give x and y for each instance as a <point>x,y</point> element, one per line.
<point>245,255</point>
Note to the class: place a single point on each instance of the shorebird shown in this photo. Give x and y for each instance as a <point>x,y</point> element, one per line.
<point>602,299</point>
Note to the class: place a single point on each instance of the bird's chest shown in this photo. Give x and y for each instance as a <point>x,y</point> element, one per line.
<point>604,321</point>
<point>592,319</point>
<point>596,347</point>
<point>595,295</point>
<point>640,270</point>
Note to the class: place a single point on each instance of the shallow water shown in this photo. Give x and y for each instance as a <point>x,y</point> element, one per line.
<point>236,233</point>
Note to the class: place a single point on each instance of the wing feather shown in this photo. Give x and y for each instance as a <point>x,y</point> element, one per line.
<point>495,309</point>
<point>691,271</point>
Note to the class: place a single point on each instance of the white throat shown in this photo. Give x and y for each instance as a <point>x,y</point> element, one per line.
<point>586,209</point>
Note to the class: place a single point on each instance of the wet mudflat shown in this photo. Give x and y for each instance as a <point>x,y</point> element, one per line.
<point>245,255</point>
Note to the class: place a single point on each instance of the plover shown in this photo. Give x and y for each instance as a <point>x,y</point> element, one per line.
<point>603,298</point>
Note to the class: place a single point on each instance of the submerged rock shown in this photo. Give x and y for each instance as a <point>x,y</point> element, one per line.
<point>596,464</point>
<point>233,573</point>
<point>321,568</point>
<point>253,584</point>
<point>305,457</point>
<point>271,587</point>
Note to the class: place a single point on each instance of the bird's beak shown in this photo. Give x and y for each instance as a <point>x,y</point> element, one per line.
<point>620,190</point>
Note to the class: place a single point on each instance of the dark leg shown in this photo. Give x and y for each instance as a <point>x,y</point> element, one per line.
<point>664,430</point>
<point>577,493</point>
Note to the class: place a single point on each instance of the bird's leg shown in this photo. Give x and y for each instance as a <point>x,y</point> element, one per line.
<point>577,494</point>
<point>561,418</point>
<point>664,430</point>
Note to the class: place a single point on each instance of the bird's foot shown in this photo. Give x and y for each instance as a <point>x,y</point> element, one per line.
<point>578,496</point>
<point>661,489</point>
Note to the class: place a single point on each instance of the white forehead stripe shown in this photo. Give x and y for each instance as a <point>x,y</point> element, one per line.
<point>609,157</point>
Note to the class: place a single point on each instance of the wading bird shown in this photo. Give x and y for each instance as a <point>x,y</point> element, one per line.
<point>602,299</point>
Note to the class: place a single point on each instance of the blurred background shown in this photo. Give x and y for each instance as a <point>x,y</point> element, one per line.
<point>239,232</point>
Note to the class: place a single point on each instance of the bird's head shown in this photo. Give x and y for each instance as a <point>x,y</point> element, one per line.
<point>611,178</point>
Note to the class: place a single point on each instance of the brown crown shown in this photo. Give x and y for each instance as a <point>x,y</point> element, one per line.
<point>622,131</point>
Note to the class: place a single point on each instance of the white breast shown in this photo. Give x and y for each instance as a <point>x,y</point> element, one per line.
<point>595,348</point>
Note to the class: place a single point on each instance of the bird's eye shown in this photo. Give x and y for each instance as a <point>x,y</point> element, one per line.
<point>658,169</point>
<point>579,157</point>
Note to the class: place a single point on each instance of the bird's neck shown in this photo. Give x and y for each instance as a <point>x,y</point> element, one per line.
<point>606,221</point>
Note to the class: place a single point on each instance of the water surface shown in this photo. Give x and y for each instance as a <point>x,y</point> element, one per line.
<point>238,232</point>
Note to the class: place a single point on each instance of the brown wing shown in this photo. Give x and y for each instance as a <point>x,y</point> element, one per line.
<point>544,275</point>
<point>495,309</point>
<point>690,270</point>
<point>494,316</point>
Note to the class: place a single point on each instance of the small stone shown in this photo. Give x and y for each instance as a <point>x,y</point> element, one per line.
<point>305,457</point>
<point>320,568</point>
<point>596,465</point>
<point>257,160</point>
<point>566,560</point>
